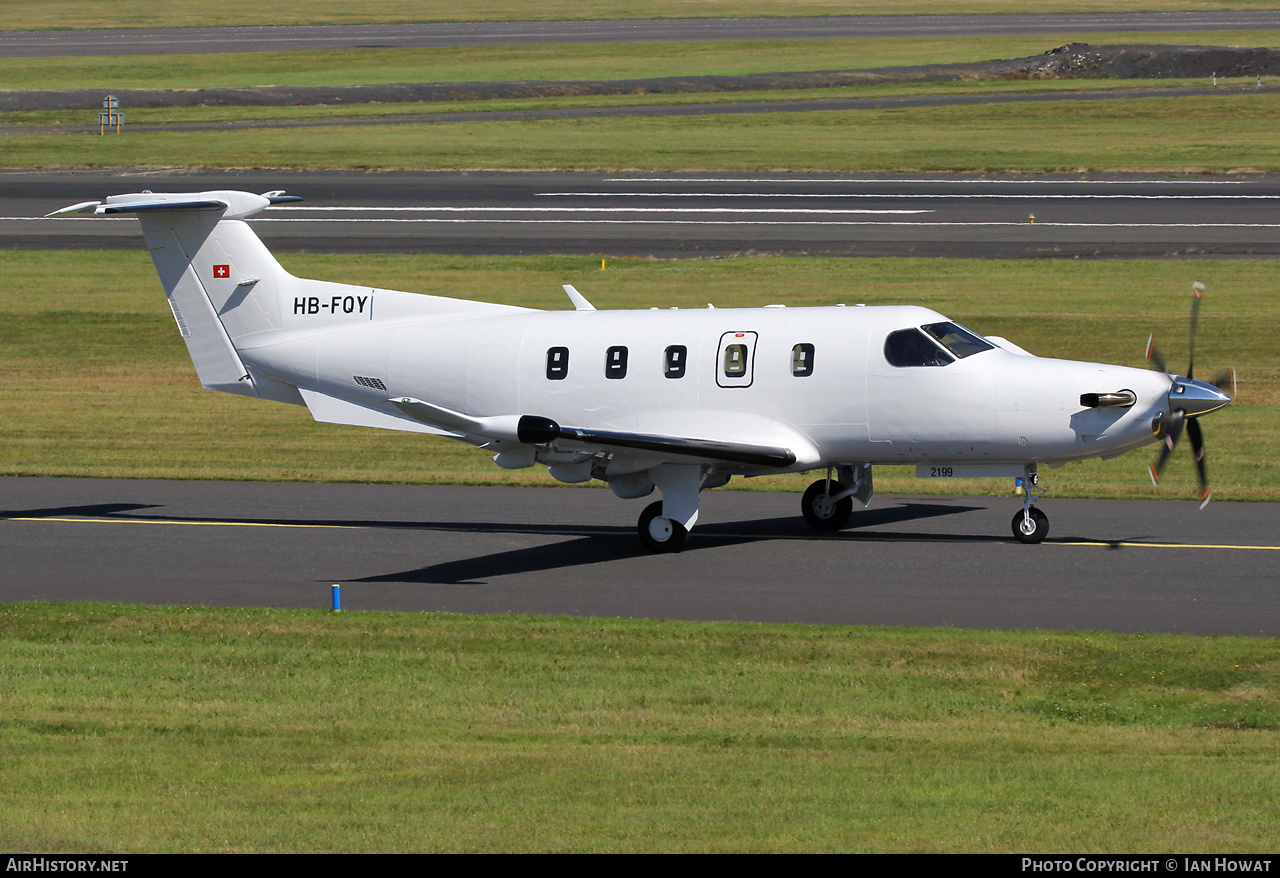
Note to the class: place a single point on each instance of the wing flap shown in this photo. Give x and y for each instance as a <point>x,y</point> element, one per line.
<point>536,430</point>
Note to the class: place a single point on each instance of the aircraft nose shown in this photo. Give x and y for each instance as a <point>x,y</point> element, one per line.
<point>1195,398</point>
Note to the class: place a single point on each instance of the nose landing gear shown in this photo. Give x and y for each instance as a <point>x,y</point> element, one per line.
<point>1030,525</point>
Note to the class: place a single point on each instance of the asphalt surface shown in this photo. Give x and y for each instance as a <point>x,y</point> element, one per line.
<point>692,215</point>
<point>52,43</point>
<point>1128,566</point>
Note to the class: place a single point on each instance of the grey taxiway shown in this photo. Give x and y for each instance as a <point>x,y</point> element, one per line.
<point>1129,566</point>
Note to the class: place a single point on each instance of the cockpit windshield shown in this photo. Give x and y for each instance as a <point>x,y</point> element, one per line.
<point>957,339</point>
<point>909,347</point>
<point>925,346</point>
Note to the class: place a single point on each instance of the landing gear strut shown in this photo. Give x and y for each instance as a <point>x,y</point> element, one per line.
<point>828,503</point>
<point>1030,525</point>
<point>664,525</point>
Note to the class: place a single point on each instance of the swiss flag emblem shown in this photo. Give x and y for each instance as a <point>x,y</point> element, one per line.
<point>222,271</point>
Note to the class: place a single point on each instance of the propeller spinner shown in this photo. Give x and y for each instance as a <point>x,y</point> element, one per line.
<point>1188,400</point>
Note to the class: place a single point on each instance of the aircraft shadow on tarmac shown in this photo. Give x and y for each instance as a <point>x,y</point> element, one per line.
<point>96,510</point>
<point>600,547</point>
<point>589,544</point>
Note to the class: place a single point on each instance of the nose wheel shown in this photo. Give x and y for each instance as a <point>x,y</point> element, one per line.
<point>660,534</point>
<point>1030,526</point>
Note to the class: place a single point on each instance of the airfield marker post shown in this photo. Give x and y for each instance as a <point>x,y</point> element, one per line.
<point>110,114</point>
<point>336,592</point>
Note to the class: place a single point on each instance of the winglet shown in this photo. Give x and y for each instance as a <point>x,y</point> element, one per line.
<point>579,301</point>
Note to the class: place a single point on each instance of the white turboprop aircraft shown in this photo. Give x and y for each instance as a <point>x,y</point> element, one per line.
<point>678,400</point>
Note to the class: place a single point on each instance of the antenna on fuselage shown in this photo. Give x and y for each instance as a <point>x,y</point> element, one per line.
<point>579,301</point>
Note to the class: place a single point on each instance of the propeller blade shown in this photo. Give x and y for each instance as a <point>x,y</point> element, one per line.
<point>1154,357</point>
<point>1226,382</point>
<point>1171,433</point>
<point>1197,290</point>
<point>1196,436</point>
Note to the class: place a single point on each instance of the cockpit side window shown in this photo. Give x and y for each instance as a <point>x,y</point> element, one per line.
<point>909,347</point>
<point>957,339</point>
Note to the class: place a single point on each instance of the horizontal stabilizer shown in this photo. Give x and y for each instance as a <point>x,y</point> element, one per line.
<point>97,208</point>
<point>232,204</point>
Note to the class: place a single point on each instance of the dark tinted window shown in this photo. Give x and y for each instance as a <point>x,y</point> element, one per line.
<point>557,363</point>
<point>802,360</point>
<point>673,361</point>
<point>615,363</point>
<point>735,360</point>
<point>909,347</point>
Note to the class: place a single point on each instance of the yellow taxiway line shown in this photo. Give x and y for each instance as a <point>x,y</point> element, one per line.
<point>1094,543</point>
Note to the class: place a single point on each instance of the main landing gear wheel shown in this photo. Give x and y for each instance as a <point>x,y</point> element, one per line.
<point>660,534</point>
<point>818,509</point>
<point>1032,527</point>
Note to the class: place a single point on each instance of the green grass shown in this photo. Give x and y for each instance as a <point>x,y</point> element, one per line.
<point>187,729</point>
<point>1223,132</point>
<point>77,121</point>
<point>94,380</point>
<point>40,14</point>
<point>1165,135</point>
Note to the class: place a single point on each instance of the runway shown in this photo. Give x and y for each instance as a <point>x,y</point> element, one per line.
<point>1128,566</point>
<point>190,40</point>
<point>692,215</point>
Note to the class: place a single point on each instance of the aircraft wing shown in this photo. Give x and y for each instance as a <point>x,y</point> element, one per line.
<point>736,437</point>
<point>536,430</point>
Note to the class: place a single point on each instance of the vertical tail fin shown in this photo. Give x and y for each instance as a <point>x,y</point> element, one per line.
<point>220,280</point>
<point>228,293</point>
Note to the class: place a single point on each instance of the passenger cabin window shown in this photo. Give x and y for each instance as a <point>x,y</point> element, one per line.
<point>615,363</point>
<point>673,361</point>
<point>557,363</point>
<point>802,360</point>
<point>910,347</point>
<point>735,360</point>
<point>957,339</point>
